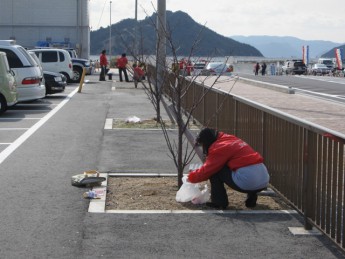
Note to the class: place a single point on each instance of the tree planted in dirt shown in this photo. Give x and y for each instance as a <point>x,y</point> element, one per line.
<point>174,82</point>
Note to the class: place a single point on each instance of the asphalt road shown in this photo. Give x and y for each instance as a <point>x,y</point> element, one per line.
<point>43,216</point>
<point>334,86</point>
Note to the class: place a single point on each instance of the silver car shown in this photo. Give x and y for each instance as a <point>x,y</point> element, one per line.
<point>217,68</point>
<point>29,77</point>
<point>320,69</point>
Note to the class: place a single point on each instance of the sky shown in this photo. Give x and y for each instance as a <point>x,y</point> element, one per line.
<point>306,19</point>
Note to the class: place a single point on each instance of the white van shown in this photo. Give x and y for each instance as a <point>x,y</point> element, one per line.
<point>8,90</point>
<point>327,61</point>
<point>28,76</point>
<point>55,60</point>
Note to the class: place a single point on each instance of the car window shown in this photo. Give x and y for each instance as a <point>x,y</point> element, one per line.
<point>49,56</point>
<point>13,59</point>
<point>27,56</point>
<point>62,57</point>
<point>299,64</point>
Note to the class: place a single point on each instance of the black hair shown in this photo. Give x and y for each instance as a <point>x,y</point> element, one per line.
<point>206,138</point>
<point>123,54</point>
<point>103,51</point>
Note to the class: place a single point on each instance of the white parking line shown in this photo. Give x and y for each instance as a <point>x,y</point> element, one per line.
<point>11,148</point>
<point>14,128</point>
<point>35,104</point>
<point>18,118</point>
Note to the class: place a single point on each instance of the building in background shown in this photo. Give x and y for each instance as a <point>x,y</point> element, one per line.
<point>50,23</point>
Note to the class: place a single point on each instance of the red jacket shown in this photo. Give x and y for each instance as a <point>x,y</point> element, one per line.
<point>103,60</point>
<point>226,150</point>
<point>122,62</point>
<point>138,73</point>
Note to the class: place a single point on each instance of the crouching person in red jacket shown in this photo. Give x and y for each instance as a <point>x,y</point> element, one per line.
<point>230,161</point>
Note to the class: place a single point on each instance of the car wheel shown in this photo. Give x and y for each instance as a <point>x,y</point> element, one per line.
<point>67,76</point>
<point>77,73</point>
<point>3,104</point>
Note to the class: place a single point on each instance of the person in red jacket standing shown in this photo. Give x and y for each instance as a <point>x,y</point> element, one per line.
<point>230,161</point>
<point>103,62</point>
<point>121,64</point>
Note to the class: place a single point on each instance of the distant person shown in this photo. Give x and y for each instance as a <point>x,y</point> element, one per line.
<point>103,64</point>
<point>121,65</point>
<point>256,68</point>
<point>263,69</point>
<point>97,66</point>
<point>273,69</point>
<point>230,161</point>
<point>138,74</point>
<point>189,68</point>
<point>182,66</point>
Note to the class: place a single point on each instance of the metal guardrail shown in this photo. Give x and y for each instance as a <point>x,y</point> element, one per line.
<point>305,160</point>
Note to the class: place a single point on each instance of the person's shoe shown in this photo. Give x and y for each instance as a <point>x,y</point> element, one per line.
<point>215,206</point>
<point>251,200</point>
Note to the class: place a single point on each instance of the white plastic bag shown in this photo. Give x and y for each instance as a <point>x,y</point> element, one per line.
<point>191,192</point>
<point>188,191</point>
<point>203,197</point>
<point>133,119</point>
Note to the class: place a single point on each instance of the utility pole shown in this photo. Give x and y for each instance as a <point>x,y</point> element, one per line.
<point>135,29</point>
<point>136,10</point>
<point>110,37</point>
<point>161,41</point>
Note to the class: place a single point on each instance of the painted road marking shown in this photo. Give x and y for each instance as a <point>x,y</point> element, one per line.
<point>18,118</point>
<point>17,143</point>
<point>14,128</point>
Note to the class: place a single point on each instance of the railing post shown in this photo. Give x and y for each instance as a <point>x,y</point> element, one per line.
<point>306,183</point>
<point>203,106</point>
<point>235,117</point>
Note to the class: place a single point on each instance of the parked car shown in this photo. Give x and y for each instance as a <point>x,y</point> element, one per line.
<point>78,65</point>
<point>38,62</point>
<point>327,61</point>
<point>55,60</point>
<point>320,69</point>
<point>28,76</point>
<point>54,82</point>
<point>294,67</point>
<point>198,67</point>
<point>217,68</point>
<point>8,86</point>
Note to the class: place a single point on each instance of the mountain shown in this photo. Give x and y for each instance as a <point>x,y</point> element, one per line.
<point>331,53</point>
<point>184,33</point>
<point>286,47</point>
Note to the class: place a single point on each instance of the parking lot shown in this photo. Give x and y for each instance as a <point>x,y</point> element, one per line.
<point>22,118</point>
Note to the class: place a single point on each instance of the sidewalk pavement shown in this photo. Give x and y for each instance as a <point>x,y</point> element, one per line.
<point>326,113</point>
<point>233,234</point>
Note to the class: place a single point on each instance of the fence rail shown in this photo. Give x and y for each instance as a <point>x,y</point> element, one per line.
<point>305,160</point>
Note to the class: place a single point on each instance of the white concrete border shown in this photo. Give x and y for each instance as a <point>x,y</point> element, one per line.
<point>300,231</point>
<point>230,212</point>
<point>108,124</point>
<point>98,205</point>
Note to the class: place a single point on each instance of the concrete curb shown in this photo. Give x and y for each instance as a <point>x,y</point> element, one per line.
<point>275,87</point>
